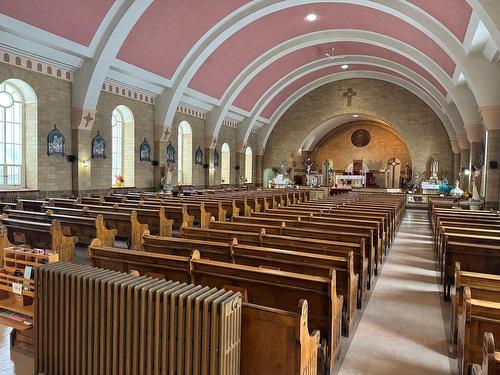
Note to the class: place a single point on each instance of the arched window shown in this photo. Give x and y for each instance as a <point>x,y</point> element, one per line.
<point>122,145</point>
<point>17,119</point>
<point>185,152</point>
<point>225,163</point>
<point>248,165</point>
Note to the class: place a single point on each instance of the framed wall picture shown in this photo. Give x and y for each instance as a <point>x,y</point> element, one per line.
<point>98,147</point>
<point>55,143</point>
<point>360,138</point>
<point>145,151</point>
<point>170,153</point>
<point>216,158</point>
<point>198,156</point>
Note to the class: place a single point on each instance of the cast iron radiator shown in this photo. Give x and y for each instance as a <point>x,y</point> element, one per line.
<point>94,321</point>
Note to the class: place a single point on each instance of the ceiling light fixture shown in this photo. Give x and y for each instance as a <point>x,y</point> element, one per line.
<point>344,66</point>
<point>311,17</point>
<point>355,116</point>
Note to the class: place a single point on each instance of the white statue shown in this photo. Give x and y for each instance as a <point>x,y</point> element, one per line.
<point>456,191</point>
<point>475,178</point>
<point>168,174</point>
<point>434,167</point>
<point>308,163</point>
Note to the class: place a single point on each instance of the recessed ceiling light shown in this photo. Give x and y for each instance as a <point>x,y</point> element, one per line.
<point>355,116</point>
<point>344,66</point>
<point>311,17</point>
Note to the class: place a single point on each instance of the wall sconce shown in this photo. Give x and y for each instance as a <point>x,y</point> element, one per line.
<point>85,164</point>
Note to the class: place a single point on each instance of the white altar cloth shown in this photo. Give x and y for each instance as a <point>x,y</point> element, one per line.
<point>356,180</point>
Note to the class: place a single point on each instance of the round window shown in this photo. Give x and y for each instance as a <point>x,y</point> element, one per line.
<point>6,99</point>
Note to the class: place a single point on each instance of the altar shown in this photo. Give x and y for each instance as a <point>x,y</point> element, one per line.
<point>358,180</point>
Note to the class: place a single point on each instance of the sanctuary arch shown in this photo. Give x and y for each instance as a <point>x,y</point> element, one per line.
<point>401,112</point>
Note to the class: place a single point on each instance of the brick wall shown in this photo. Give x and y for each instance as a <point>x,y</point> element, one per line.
<point>416,123</point>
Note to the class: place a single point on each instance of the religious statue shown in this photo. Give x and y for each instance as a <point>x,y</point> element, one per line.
<point>408,171</point>
<point>308,164</point>
<point>434,166</point>
<point>168,173</point>
<point>476,177</point>
<point>456,191</point>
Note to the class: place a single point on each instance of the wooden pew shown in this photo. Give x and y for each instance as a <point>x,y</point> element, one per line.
<point>300,244</point>
<point>36,234</point>
<point>491,358</point>
<point>263,287</point>
<point>479,316</point>
<point>474,253</point>
<point>126,224</point>
<point>481,285</point>
<point>85,228</point>
<point>373,225</point>
<point>160,219</point>
<point>305,233</point>
<point>358,230</point>
<point>285,260</point>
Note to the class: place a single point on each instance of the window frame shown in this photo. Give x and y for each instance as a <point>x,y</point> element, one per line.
<point>20,100</point>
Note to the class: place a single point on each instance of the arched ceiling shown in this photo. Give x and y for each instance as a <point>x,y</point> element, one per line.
<point>244,60</point>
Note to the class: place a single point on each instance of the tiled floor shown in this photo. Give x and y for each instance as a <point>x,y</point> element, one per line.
<point>401,330</point>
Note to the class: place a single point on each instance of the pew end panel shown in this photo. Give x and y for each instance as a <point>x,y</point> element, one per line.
<point>186,218</point>
<point>105,235</point>
<point>277,342</point>
<point>165,224</point>
<point>137,231</point>
<point>4,242</point>
<point>61,244</point>
<point>478,317</point>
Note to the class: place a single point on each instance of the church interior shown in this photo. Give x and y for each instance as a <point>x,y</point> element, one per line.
<point>266,187</point>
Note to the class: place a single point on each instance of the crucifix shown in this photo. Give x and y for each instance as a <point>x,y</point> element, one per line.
<point>349,94</point>
<point>87,119</point>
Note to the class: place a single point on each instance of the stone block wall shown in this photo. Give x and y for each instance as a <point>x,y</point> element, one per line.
<point>53,108</point>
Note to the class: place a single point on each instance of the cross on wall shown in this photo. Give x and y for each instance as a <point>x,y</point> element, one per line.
<point>349,94</point>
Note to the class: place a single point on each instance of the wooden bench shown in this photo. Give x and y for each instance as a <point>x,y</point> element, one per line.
<point>358,230</point>
<point>85,228</point>
<point>263,287</point>
<point>126,224</point>
<point>285,260</point>
<point>36,234</point>
<point>481,285</point>
<point>300,244</point>
<point>491,358</point>
<point>283,230</point>
<point>474,253</point>
<point>479,316</point>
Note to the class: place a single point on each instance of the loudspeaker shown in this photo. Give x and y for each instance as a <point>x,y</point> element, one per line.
<point>70,158</point>
<point>154,163</point>
<point>493,164</point>
<point>237,167</point>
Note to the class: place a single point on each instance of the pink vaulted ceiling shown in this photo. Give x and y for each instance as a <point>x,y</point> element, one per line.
<point>168,29</point>
<point>223,66</point>
<point>281,67</point>
<point>453,14</point>
<point>75,20</point>
<point>274,104</point>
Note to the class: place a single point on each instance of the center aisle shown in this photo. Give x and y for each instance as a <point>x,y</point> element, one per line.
<point>402,329</point>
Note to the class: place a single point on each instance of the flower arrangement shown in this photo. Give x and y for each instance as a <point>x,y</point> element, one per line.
<point>467,194</point>
<point>119,180</point>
